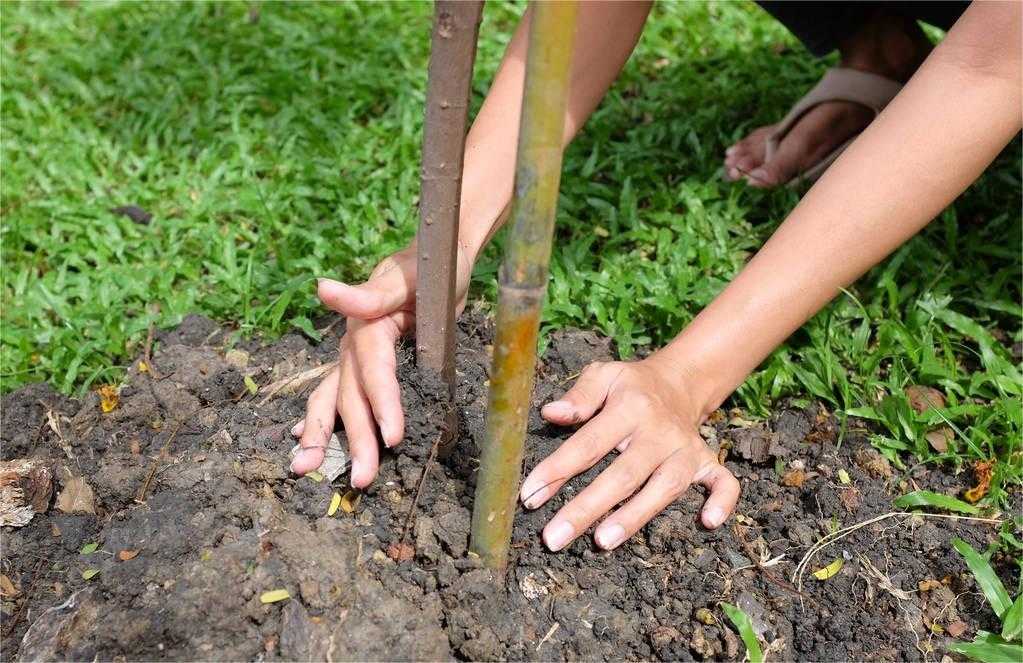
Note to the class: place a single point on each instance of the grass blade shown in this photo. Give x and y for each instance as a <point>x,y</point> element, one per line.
<point>989,648</point>
<point>1012,621</point>
<point>936,500</point>
<point>994,590</point>
<point>745,628</point>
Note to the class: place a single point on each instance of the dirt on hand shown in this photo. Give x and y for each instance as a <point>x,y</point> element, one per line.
<point>196,519</point>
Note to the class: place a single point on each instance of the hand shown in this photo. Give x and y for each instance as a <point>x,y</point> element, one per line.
<point>363,388</point>
<point>646,413</point>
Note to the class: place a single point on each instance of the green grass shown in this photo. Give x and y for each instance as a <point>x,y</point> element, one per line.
<point>275,151</point>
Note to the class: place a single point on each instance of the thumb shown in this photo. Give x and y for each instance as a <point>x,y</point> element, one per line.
<point>584,398</point>
<point>385,293</point>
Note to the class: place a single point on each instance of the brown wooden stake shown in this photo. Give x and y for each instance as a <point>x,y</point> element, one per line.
<point>452,54</point>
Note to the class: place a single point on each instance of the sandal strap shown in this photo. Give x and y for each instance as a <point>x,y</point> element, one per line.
<point>838,84</point>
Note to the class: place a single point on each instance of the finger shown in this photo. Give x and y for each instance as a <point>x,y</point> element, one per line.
<point>665,485</point>
<point>577,454</point>
<point>621,479</point>
<point>391,289</point>
<point>724,492</point>
<point>585,397</point>
<point>357,416</point>
<point>318,425</point>
<point>373,348</point>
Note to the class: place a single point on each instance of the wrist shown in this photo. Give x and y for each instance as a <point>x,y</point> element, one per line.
<point>696,388</point>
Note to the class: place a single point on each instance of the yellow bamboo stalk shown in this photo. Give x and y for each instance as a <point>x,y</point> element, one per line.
<point>523,278</point>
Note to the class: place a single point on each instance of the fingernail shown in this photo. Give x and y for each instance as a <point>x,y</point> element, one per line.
<point>533,492</point>
<point>557,535</point>
<point>624,444</point>
<point>295,429</point>
<point>713,516</point>
<point>730,151</point>
<point>558,409</point>
<point>298,456</point>
<point>356,466</point>
<point>610,536</point>
<point>386,433</point>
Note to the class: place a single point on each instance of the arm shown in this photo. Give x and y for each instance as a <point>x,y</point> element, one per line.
<point>948,124</point>
<point>364,389</point>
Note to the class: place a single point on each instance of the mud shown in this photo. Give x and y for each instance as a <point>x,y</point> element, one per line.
<point>190,474</point>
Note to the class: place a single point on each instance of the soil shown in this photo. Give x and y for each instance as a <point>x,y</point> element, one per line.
<point>189,473</point>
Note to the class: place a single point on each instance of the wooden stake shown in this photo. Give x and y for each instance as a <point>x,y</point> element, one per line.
<point>452,54</point>
<point>523,278</point>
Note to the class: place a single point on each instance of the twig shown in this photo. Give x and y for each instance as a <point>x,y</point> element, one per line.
<point>297,381</point>
<point>419,490</point>
<point>141,497</point>
<point>147,353</point>
<point>547,637</point>
<point>763,569</point>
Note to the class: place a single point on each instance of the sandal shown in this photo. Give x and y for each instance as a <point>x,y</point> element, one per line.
<point>839,84</point>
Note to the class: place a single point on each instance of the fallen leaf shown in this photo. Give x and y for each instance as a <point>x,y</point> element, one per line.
<point>401,553</point>
<point>7,588</point>
<point>335,502</point>
<point>350,501</point>
<point>251,385</point>
<point>135,446</point>
<point>928,584</point>
<point>108,397</point>
<point>705,616</point>
<point>843,476</point>
<point>76,497</point>
<point>274,596</point>
<point>939,438</point>
<point>143,366</point>
<point>850,498</point>
<point>125,555</point>
<point>89,548</point>
<point>88,574</point>
<point>956,629</point>
<point>982,470</point>
<point>315,476</point>
<point>922,398</point>
<point>830,570</point>
<point>135,213</point>
<point>794,478</point>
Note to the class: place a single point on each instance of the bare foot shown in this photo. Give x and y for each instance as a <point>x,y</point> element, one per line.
<point>888,45</point>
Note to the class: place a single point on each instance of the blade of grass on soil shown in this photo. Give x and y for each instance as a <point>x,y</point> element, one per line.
<point>936,500</point>
<point>987,579</point>
<point>744,626</point>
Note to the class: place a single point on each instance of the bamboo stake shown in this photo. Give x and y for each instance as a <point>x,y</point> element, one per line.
<point>523,279</point>
<point>452,53</point>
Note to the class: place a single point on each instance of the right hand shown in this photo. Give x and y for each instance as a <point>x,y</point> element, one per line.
<point>363,388</point>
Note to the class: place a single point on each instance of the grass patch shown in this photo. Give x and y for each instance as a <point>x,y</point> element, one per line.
<point>272,149</point>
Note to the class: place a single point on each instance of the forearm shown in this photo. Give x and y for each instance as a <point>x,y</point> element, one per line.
<point>939,134</point>
<point>606,34</point>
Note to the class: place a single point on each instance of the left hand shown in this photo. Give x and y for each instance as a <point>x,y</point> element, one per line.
<point>646,411</point>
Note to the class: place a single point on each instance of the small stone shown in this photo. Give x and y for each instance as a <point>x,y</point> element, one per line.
<point>705,616</point>
<point>237,358</point>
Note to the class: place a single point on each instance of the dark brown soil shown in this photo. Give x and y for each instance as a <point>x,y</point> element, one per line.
<point>191,471</point>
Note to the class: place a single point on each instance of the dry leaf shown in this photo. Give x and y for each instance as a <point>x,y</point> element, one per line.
<point>274,596</point>
<point>850,498</point>
<point>335,502</point>
<point>956,629</point>
<point>982,470</point>
<point>89,574</point>
<point>7,588</point>
<point>794,478</point>
<point>928,585</point>
<point>830,570</point>
<point>135,446</point>
<point>843,476</point>
<point>939,438</point>
<point>251,385</point>
<point>125,555</point>
<point>77,497</point>
<point>315,476</point>
<point>401,553</point>
<point>923,398</point>
<point>108,396</point>
<point>143,366</point>
<point>350,501</point>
